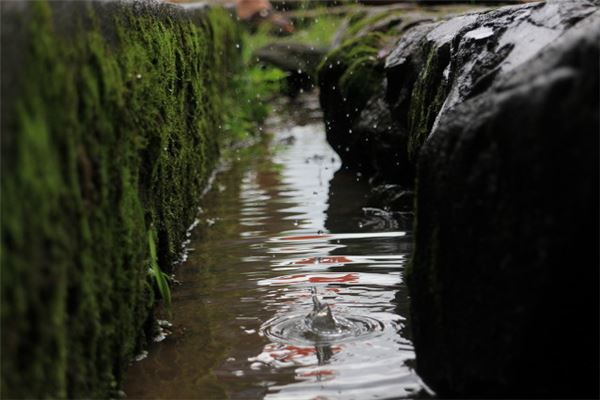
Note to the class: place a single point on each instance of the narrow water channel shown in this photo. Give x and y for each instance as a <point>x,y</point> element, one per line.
<point>275,226</point>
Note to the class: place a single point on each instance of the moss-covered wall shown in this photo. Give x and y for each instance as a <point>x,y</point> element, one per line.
<point>111,117</point>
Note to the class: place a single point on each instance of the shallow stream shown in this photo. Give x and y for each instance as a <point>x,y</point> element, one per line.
<point>276,225</point>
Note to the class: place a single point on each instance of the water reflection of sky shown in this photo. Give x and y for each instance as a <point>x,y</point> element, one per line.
<point>362,282</point>
<point>272,228</point>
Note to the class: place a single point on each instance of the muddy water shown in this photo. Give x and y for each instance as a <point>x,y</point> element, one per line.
<point>275,225</point>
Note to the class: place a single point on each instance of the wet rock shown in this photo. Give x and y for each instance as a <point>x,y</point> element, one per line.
<point>299,60</point>
<point>504,278</point>
<point>348,77</point>
<point>499,110</point>
<point>430,68</point>
<point>392,197</point>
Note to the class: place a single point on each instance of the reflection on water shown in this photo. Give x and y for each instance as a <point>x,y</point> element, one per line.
<point>273,227</point>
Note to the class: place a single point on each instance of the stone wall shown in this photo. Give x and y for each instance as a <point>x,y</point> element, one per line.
<point>111,127</point>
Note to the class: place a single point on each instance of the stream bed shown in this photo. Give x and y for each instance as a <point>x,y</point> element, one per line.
<point>276,227</point>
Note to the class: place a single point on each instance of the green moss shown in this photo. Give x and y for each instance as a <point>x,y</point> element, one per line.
<point>362,20</point>
<point>354,71</point>
<point>115,128</point>
<point>428,96</point>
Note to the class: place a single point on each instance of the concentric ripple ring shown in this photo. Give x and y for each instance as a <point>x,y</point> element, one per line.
<point>293,329</point>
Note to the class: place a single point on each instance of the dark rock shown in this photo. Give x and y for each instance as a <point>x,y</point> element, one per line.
<point>432,67</point>
<point>392,197</point>
<point>299,60</point>
<point>348,77</point>
<point>499,108</point>
<point>504,278</point>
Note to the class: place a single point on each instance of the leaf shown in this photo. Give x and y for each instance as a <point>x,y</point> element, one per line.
<point>160,278</point>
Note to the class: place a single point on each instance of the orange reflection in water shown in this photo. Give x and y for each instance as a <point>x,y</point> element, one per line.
<point>324,260</point>
<point>318,373</point>
<point>301,278</point>
<point>351,277</point>
<point>291,352</point>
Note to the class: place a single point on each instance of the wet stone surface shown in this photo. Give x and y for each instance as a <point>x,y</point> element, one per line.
<point>285,226</point>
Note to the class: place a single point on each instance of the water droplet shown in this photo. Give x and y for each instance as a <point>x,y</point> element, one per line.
<point>237,45</point>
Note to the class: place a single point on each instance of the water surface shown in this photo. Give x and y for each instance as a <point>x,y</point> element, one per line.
<point>275,225</point>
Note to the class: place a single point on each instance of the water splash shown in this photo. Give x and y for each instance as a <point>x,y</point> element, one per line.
<point>320,320</point>
<point>320,326</point>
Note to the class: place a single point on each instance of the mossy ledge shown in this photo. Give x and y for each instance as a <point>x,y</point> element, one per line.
<point>111,119</point>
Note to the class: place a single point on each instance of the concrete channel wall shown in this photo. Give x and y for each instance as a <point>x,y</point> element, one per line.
<point>111,115</point>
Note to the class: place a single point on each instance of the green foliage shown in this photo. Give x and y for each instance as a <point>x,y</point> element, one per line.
<point>361,20</point>
<point>318,31</point>
<point>161,279</point>
<point>252,91</point>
